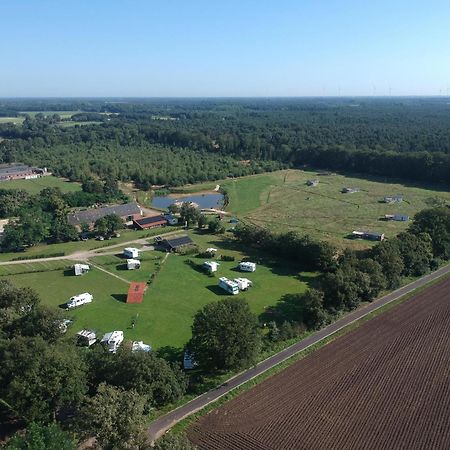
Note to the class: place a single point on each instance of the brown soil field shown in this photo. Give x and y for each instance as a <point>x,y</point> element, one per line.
<point>385,385</point>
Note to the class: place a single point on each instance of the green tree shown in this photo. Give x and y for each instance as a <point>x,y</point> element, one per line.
<point>216,226</point>
<point>115,417</point>
<point>416,251</point>
<point>387,254</point>
<point>189,214</point>
<point>225,335</point>
<point>174,442</point>
<point>42,437</point>
<point>202,221</point>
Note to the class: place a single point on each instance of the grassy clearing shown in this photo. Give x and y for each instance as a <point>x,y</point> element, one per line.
<point>177,292</point>
<point>73,124</point>
<point>36,185</point>
<point>15,120</point>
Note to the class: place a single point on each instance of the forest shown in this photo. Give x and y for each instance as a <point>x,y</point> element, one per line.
<point>178,141</point>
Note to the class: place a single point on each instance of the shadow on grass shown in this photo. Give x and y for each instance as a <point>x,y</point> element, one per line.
<point>215,289</point>
<point>122,267</point>
<point>120,297</point>
<point>69,273</point>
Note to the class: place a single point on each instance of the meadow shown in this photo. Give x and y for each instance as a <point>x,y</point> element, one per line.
<point>176,293</point>
<point>36,185</point>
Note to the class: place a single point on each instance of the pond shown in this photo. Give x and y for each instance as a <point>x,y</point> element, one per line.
<point>204,201</point>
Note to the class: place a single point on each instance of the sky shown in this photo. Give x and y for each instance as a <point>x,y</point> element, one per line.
<point>211,48</point>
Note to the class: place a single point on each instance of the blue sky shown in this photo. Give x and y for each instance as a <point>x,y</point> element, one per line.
<point>224,48</point>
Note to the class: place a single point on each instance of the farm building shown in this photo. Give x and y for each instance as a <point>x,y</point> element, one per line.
<point>211,266</point>
<point>133,264</point>
<point>20,171</point>
<point>174,244</point>
<point>247,266</point>
<point>312,183</point>
<point>369,235</point>
<point>150,222</point>
<point>136,292</point>
<point>243,283</point>
<point>228,285</point>
<point>78,300</point>
<point>131,252</point>
<point>86,338</point>
<point>112,341</point>
<point>139,346</point>
<point>350,190</point>
<point>393,199</point>
<point>81,269</point>
<point>397,217</point>
<point>127,212</point>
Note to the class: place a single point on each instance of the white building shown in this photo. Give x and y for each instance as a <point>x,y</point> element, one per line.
<point>243,283</point>
<point>78,300</point>
<point>81,269</point>
<point>86,337</point>
<point>247,266</point>
<point>131,252</point>
<point>228,285</point>
<point>139,346</point>
<point>112,341</point>
<point>211,250</point>
<point>133,264</point>
<point>211,266</point>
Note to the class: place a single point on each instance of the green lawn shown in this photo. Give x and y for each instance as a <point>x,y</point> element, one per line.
<point>36,185</point>
<point>16,120</point>
<point>172,299</point>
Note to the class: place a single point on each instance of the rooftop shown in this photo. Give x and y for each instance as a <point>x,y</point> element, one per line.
<point>91,215</point>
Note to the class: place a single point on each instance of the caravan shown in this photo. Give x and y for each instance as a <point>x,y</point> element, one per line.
<point>78,300</point>
<point>112,341</point>
<point>81,269</point>
<point>131,253</point>
<point>246,266</point>
<point>133,264</point>
<point>243,283</point>
<point>230,286</point>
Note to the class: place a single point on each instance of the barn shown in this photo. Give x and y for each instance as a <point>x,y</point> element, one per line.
<point>150,222</point>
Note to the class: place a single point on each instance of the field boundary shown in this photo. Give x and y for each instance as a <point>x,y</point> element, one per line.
<point>158,427</point>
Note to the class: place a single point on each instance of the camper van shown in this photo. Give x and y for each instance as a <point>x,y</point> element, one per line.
<point>230,286</point>
<point>243,283</point>
<point>78,300</point>
<point>81,269</point>
<point>210,266</point>
<point>112,341</point>
<point>247,266</point>
<point>139,346</point>
<point>133,264</point>
<point>131,252</point>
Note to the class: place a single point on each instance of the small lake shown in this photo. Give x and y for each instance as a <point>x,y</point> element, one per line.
<point>204,201</point>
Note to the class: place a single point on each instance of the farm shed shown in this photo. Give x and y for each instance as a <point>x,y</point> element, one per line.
<point>173,244</point>
<point>211,266</point>
<point>228,285</point>
<point>136,292</point>
<point>127,212</point>
<point>247,266</point>
<point>112,340</point>
<point>150,222</point>
<point>81,269</point>
<point>369,235</point>
<point>393,199</point>
<point>131,252</point>
<point>397,217</point>
<point>133,264</point>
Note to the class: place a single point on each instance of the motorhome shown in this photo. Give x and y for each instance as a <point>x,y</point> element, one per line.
<point>228,285</point>
<point>243,283</point>
<point>112,341</point>
<point>131,252</point>
<point>246,266</point>
<point>133,264</point>
<point>139,346</point>
<point>210,266</point>
<point>78,300</point>
<point>81,269</point>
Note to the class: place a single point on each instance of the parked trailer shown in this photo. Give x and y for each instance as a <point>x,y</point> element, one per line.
<point>228,285</point>
<point>78,300</point>
<point>81,269</point>
<point>133,264</point>
<point>243,283</point>
<point>86,338</point>
<point>131,252</point>
<point>112,341</point>
<point>210,266</point>
<point>247,266</point>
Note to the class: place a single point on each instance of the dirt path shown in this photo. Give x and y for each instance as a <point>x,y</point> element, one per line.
<point>110,273</point>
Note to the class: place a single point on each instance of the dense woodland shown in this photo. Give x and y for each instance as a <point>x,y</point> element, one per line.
<point>178,141</point>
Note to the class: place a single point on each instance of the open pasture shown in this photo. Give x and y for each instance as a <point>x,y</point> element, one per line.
<point>383,385</point>
<point>36,185</point>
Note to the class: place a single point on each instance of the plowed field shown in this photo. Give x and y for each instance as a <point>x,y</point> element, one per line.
<point>386,385</point>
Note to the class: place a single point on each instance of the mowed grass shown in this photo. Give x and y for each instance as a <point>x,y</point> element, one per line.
<point>281,201</point>
<point>36,185</point>
<point>16,120</point>
<point>177,292</point>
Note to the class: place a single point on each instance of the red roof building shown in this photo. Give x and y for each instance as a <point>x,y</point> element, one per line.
<point>136,292</point>
<point>150,222</point>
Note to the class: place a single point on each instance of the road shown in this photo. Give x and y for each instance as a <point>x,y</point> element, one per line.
<point>164,423</point>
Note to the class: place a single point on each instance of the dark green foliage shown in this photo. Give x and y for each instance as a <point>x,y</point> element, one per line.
<point>216,226</point>
<point>174,442</point>
<point>11,201</point>
<point>42,437</point>
<point>387,254</point>
<point>108,225</point>
<point>225,335</point>
<point>416,252</point>
<point>189,214</point>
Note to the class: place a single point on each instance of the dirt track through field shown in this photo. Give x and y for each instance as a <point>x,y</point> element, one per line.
<point>385,385</point>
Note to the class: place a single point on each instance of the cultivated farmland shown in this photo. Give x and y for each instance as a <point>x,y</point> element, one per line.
<point>384,385</point>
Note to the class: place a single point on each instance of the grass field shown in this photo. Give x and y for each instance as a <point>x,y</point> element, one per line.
<point>282,201</point>
<point>36,185</point>
<point>175,295</point>
<point>16,120</point>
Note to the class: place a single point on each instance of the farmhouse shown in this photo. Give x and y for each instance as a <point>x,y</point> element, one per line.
<point>174,244</point>
<point>211,266</point>
<point>133,264</point>
<point>136,292</point>
<point>247,266</point>
<point>350,190</point>
<point>312,182</point>
<point>228,285</point>
<point>127,212</point>
<point>369,235</point>
<point>20,171</point>
<point>396,217</point>
<point>393,199</point>
<point>81,269</point>
<point>131,252</point>
<point>150,222</point>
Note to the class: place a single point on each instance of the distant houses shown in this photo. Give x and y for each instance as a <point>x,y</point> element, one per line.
<point>312,182</point>
<point>127,212</point>
<point>393,199</point>
<point>368,235</point>
<point>20,172</point>
<point>350,190</point>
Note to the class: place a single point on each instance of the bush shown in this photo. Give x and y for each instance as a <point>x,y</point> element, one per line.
<point>227,258</point>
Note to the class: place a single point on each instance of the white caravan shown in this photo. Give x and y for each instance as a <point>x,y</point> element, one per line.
<point>133,264</point>
<point>139,346</point>
<point>247,266</point>
<point>86,338</point>
<point>228,285</point>
<point>78,300</point>
<point>112,341</point>
<point>81,269</point>
<point>243,283</point>
<point>210,266</point>
<point>131,252</point>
